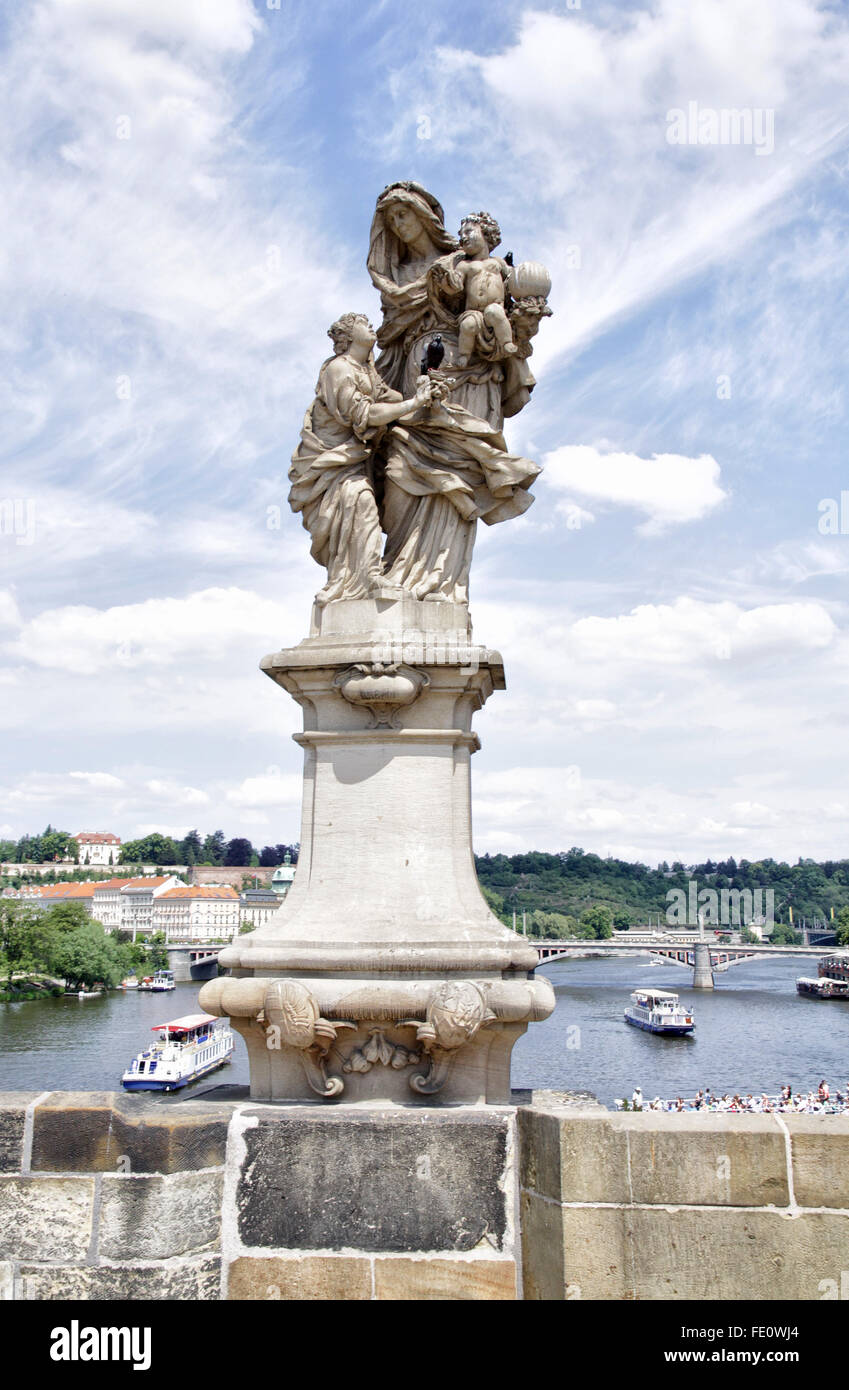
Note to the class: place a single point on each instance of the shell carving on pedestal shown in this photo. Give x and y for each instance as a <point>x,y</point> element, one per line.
<point>382,688</point>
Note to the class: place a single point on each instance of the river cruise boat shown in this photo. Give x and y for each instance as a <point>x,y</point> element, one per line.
<point>832,980</point>
<point>160,982</point>
<point>186,1049</point>
<point>658,1011</point>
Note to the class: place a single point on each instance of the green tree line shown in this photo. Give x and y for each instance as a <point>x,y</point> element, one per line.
<point>59,845</point>
<point>556,891</point>
<point>66,944</point>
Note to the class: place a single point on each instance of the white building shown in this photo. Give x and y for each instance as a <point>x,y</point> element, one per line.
<point>94,848</point>
<point>137,903</point>
<point>257,906</point>
<point>197,913</point>
<point>107,905</point>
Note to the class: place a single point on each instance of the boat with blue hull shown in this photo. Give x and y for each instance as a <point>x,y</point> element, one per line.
<point>187,1049</point>
<point>658,1011</point>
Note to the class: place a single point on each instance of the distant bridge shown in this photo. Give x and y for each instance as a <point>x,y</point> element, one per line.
<point>690,951</point>
<point>193,962</point>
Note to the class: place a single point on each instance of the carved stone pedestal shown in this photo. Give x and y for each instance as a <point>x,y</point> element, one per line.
<point>384,976</point>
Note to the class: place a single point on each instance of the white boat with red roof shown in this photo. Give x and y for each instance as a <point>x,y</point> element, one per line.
<point>186,1049</point>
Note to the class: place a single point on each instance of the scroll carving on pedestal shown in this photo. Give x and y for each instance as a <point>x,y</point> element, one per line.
<point>456,1013</point>
<point>292,1019</point>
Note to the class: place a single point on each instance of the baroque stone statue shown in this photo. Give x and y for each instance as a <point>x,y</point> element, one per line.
<point>384,976</point>
<point>410,450</point>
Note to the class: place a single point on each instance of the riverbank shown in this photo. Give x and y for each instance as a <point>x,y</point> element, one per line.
<point>29,987</point>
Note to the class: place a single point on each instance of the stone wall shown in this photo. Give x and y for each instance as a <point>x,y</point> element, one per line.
<point>211,873</point>
<point>695,1206</point>
<point>146,1197</point>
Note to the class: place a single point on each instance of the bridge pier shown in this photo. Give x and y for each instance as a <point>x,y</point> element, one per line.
<point>702,971</point>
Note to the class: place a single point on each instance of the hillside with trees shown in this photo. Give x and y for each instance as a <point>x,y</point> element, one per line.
<point>570,884</point>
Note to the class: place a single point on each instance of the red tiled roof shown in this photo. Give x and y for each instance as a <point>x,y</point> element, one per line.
<point>94,837</point>
<point>65,890</point>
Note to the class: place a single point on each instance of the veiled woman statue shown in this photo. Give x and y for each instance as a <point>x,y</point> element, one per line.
<point>407,248</point>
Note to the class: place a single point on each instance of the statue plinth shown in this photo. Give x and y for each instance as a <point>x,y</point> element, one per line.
<point>384,976</point>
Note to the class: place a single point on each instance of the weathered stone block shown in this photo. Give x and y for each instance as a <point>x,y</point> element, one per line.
<point>45,1218</point>
<point>153,1218</point>
<point>706,1160</point>
<point>13,1105</point>
<point>735,1254</point>
<point>441,1279</point>
<point>326,1278</point>
<point>183,1280</point>
<point>543,1270</point>
<point>573,1252</point>
<point>820,1148</point>
<point>374,1180</point>
<point>98,1131</point>
<point>573,1156</point>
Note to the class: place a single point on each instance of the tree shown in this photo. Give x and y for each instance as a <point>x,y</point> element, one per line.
<point>843,927</point>
<point>157,955</point>
<point>27,939</point>
<point>784,935</point>
<point>600,919</point>
<point>214,848</point>
<point>621,919</point>
<point>239,853</point>
<point>190,848</point>
<point>68,916</point>
<point>153,849</point>
<point>87,956</point>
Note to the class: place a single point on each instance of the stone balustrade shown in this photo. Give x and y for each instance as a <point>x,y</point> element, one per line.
<point>108,1196</point>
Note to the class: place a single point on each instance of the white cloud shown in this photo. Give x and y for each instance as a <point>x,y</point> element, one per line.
<point>9,612</point>
<point>273,789</point>
<point>690,632</point>
<point>576,106</point>
<point>753,813</point>
<point>154,633</point>
<point>667,488</point>
<point>98,781</point>
<point>176,795</point>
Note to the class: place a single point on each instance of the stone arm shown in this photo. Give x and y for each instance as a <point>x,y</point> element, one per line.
<point>446,277</point>
<point>352,407</point>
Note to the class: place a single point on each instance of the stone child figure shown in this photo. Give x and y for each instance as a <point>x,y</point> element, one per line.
<point>331,473</point>
<point>481,277</point>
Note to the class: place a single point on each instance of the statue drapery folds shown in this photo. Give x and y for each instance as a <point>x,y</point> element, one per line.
<point>392,447</point>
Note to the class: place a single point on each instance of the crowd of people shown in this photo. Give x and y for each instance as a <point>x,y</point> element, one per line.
<point>821,1101</point>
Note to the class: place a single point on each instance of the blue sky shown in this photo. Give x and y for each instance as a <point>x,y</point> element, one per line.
<point>190,189</point>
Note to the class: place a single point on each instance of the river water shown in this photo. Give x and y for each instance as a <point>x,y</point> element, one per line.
<point>753,1033</point>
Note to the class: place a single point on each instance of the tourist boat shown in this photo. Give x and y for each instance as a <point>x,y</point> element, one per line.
<point>832,979</point>
<point>161,981</point>
<point>658,1011</point>
<point>188,1048</point>
<point>130,982</point>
